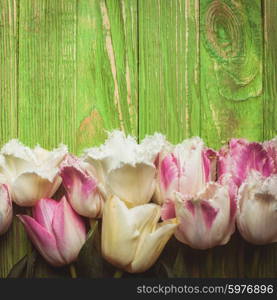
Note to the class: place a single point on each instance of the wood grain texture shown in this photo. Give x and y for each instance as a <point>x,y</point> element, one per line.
<point>8,70</point>
<point>47,77</point>
<point>47,73</point>
<point>107,96</point>
<point>169,71</point>
<point>13,244</point>
<point>231,70</point>
<point>270,68</point>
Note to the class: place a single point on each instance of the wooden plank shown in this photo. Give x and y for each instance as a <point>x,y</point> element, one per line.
<point>107,96</point>
<point>169,94</point>
<point>8,70</point>
<point>169,89</point>
<point>47,73</point>
<point>270,69</point>
<point>231,97</point>
<point>9,251</point>
<point>231,70</point>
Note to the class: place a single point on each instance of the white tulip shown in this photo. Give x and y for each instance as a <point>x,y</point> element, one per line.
<point>127,168</point>
<point>132,239</point>
<point>31,174</point>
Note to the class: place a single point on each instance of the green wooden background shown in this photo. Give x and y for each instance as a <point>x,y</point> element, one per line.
<point>71,68</point>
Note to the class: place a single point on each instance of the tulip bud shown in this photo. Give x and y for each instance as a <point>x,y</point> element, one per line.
<point>31,174</point>
<point>56,230</point>
<point>132,239</point>
<point>125,168</point>
<point>204,218</point>
<point>6,210</point>
<point>83,189</point>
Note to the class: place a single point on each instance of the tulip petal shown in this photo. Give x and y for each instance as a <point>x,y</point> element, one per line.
<point>271,148</point>
<point>145,216</point>
<point>82,189</point>
<point>133,184</point>
<point>119,150</point>
<point>169,171</point>
<point>24,168</point>
<point>208,223</point>
<point>151,245</point>
<point>69,230</point>
<point>122,154</point>
<point>192,176</point>
<point>15,159</point>
<point>119,232</point>
<point>209,157</point>
<point>257,217</point>
<point>15,149</point>
<point>121,228</point>
<point>209,213</point>
<point>6,210</point>
<point>43,240</point>
<point>10,166</point>
<point>246,157</point>
<point>41,154</point>
<point>29,187</point>
<point>50,159</point>
<point>168,210</point>
<point>43,212</point>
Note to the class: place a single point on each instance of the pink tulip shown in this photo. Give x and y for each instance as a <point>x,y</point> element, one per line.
<point>6,210</point>
<point>203,207</point>
<point>186,170</point>
<point>56,230</point>
<point>83,189</point>
<point>250,170</point>
<point>241,157</point>
<point>204,218</point>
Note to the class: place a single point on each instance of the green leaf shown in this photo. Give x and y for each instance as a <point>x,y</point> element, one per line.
<point>179,269</point>
<point>18,270</point>
<point>90,262</point>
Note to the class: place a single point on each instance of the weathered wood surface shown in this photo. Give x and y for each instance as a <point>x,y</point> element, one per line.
<point>69,70</point>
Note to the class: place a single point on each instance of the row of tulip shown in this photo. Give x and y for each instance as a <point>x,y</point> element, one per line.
<point>198,193</point>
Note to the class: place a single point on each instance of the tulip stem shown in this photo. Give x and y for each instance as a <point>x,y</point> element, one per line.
<point>118,274</point>
<point>93,223</point>
<point>72,270</point>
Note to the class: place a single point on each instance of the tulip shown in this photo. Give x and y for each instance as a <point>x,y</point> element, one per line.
<point>31,174</point>
<point>204,218</point>
<point>185,169</point>
<point>252,170</point>
<point>257,217</point>
<point>132,238</point>
<point>84,193</point>
<point>126,168</point>
<point>241,157</point>
<point>6,210</point>
<point>56,230</point>
<point>202,206</point>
